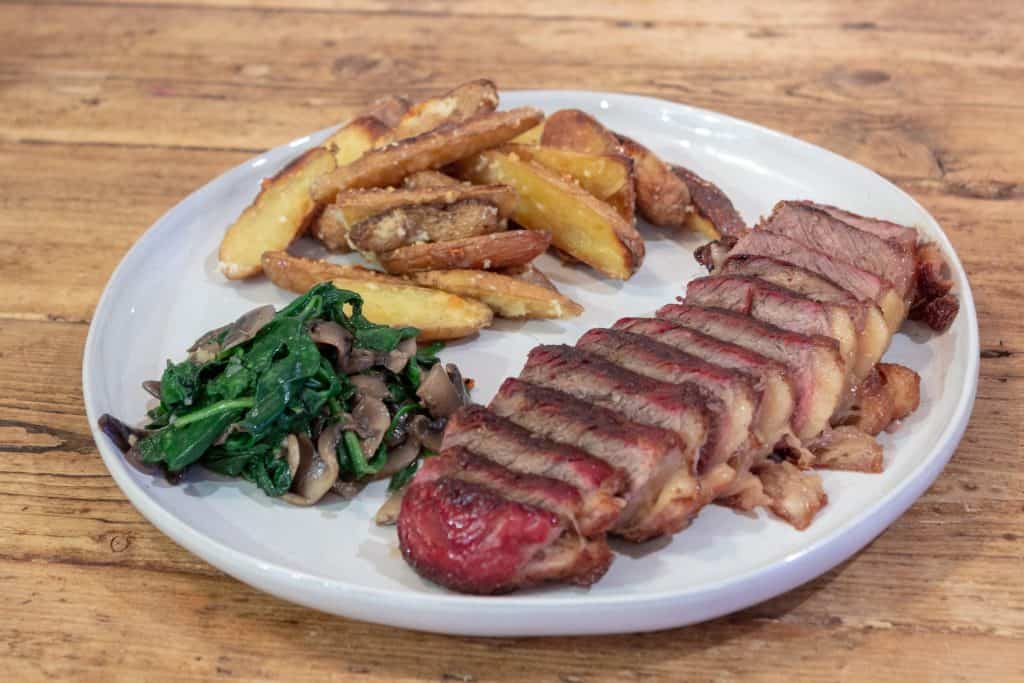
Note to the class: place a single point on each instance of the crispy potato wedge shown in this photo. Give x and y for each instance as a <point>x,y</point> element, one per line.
<point>424,179</point>
<point>528,273</point>
<point>507,296</point>
<point>580,224</point>
<point>354,139</point>
<point>455,106</point>
<point>530,137</point>
<point>386,300</point>
<point>608,177</point>
<point>407,225</point>
<point>279,214</point>
<point>713,214</point>
<point>330,228</point>
<point>389,165</point>
<point>661,196</point>
<point>576,130</point>
<point>358,205</point>
<point>484,252</point>
<point>388,109</point>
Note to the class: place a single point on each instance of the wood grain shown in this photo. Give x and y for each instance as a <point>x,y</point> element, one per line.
<point>114,111</point>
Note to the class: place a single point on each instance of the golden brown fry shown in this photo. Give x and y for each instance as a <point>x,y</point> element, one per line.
<point>358,205</point>
<point>455,106</point>
<point>389,165</point>
<point>331,229</point>
<point>279,214</point>
<point>424,179</point>
<point>509,297</point>
<point>388,109</point>
<point>353,140</point>
<point>530,137</point>
<point>661,196</point>
<point>608,177</point>
<point>406,225</point>
<point>576,130</point>
<point>580,224</point>
<point>486,252</point>
<point>528,273</point>
<point>386,300</point>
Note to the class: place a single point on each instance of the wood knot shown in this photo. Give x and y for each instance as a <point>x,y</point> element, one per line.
<point>119,543</point>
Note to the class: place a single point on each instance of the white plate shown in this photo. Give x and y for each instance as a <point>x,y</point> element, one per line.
<point>331,557</point>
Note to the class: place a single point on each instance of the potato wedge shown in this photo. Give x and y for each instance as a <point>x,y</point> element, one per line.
<point>455,106</point>
<point>713,214</point>
<point>484,252</point>
<point>580,224</point>
<point>530,137</point>
<point>354,139</point>
<point>386,300</point>
<point>331,229</point>
<point>661,197</point>
<point>528,273</point>
<point>358,205</point>
<point>279,214</point>
<point>407,225</point>
<point>388,109</point>
<point>579,131</point>
<point>507,296</point>
<point>608,177</point>
<point>389,165</point>
<point>423,179</point>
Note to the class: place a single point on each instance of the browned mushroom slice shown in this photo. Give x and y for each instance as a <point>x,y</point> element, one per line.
<point>372,422</point>
<point>371,385</point>
<point>438,393</point>
<point>331,333</point>
<point>313,475</point>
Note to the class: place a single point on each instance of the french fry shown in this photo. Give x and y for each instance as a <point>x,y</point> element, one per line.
<point>528,273</point>
<point>484,252</point>
<point>424,179</point>
<point>389,165</point>
<point>358,205</point>
<point>661,196</point>
<point>608,177</point>
<point>509,297</point>
<point>279,214</point>
<point>386,300</point>
<point>409,225</point>
<point>388,109</point>
<point>455,106</point>
<point>580,224</point>
<point>353,140</point>
<point>576,130</point>
<point>331,229</point>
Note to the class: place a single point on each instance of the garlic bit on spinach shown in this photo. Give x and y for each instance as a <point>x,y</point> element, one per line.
<point>306,400</point>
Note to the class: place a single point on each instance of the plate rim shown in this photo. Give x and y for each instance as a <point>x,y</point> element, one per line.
<point>776,578</point>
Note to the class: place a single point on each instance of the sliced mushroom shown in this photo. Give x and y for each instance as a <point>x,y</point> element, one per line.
<point>247,326</point>
<point>208,340</point>
<point>359,360</point>
<point>438,392</point>
<point>396,360</point>
<point>428,432</point>
<point>372,422</point>
<point>152,387</point>
<point>314,475</point>
<point>332,334</point>
<point>371,385</point>
<point>461,388</point>
<point>349,489</point>
<point>400,458</point>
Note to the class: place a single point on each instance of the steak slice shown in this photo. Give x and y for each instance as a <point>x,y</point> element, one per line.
<point>778,306</point>
<point>600,486</point>
<point>858,282</point>
<point>588,377</point>
<point>730,395</point>
<point>873,335</point>
<point>661,486</point>
<point>775,410</point>
<point>898,235</point>
<point>469,537</point>
<point>815,366</point>
<point>820,230</point>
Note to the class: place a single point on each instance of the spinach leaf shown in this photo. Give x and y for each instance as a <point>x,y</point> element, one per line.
<point>270,473</point>
<point>178,447</point>
<point>234,381</point>
<point>179,385</point>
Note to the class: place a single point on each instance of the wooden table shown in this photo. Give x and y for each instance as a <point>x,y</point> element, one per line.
<point>113,112</point>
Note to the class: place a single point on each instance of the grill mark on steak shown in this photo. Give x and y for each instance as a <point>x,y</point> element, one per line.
<point>588,377</point>
<point>601,487</point>
<point>730,396</point>
<point>661,488</point>
<point>814,363</point>
<point>820,230</point>
<point>775,410</point>
<point>467,537</point>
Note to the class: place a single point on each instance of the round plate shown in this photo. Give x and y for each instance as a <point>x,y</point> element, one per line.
<point>332,557</point>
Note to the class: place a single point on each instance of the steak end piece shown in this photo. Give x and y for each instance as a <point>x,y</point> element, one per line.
<point>470,538</point>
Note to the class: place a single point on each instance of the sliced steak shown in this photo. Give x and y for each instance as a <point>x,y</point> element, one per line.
<point>898,235</point>
<point>662,488</point>
<point>470,537</point>
<point>873,335</point>
<point>814,363</point>
<point>775,410</point>
<point>730,395</point>
<point>588,377</point>
<point>778,306</point>
<point>820,230</point>
<point>858,282</point>
<point>600,486</point>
